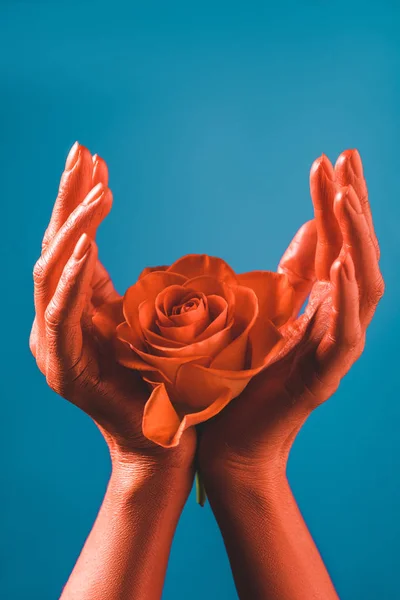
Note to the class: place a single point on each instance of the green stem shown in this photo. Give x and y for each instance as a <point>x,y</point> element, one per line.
<point>201,495</point>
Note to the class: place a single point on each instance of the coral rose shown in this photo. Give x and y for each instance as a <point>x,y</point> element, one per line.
<point>198,333</point>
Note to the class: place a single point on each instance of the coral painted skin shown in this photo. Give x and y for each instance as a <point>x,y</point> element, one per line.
<point>198,333</point>
<point>283,366</point>
<point>244,450</point>
<point>126,554</point>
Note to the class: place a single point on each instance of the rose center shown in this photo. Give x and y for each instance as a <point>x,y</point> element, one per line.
<point>187,306</point>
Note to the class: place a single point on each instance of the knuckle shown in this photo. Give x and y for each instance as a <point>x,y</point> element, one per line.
<point>350,344</point>
<point>355,343</point>
<point>351,340</point>
<point>376,292</point>
<point>75,220</point>
<point>347,340</point>
<point>331,339</point>
<point>68,277</point>
<point>39,271</point>
<point>68,226</point>
<point>381,288</point>
<point>52,317</point>
<point>46,238</point>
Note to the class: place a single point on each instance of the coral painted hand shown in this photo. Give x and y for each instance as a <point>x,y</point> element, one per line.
<point>198,333</point>
<point>70,283</point>
<point>335,257</point>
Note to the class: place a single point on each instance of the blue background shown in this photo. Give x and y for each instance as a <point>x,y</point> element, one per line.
<point>209,115</point>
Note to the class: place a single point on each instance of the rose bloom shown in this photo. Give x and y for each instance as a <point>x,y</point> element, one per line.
<point>197,332</point>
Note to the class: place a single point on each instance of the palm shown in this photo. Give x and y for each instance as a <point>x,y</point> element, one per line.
<point>71,286</point>
<point>282,394</point>
<point>334,261</point>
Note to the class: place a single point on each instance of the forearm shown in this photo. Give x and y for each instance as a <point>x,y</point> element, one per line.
<point>125,556</point>
<point>271,552</point>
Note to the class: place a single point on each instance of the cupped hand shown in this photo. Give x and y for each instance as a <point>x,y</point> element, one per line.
<point>333,259</point>
<point>70,286</point>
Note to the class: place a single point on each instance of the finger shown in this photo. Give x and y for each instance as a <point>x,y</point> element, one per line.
<point>100,171</point>
<point>349,171</point>
<point>84,219</point>
<point>323,189</point>
<point>339,346</point>
<point>75,184</point>
<point>298,262</point>
<point>103,289</point>
<point>357,240</point>
<point>66,359</point>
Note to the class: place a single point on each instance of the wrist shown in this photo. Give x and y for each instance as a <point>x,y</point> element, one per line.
<point>143,481</point>
<point>238,483</point>
<point>239,469</point>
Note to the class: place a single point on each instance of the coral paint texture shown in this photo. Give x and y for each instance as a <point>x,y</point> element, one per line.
<point>198,333</point>
<point>193,341</point>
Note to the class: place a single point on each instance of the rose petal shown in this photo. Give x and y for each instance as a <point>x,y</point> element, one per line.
<point>169,366</point>
<point>185,334</point>
<point>195,383</point>
<point>148,270</point>
<point>170,297</point>
<point>161,317</point>
<point>125,333</point>
<point>197,386</point>
<point>233,357</point>
<point>189,303</point>
<point>213,287</point>
<point>210,347</point>
<point>170,337</point>
<point>160,421</point>
<point>216,305</point>
<point>160,340</point>
<point>126,357</point>
<point>194,265</point>
<point>207,285</point>
<point>107,317</point>
<point>174,296</point>
<point>263,338</point>
<point>149,327</point>
<point>191,316</point>
<point>154,378</point>
<point>274,292</point>
<point>168,432</point>
<point>218,311</point>
<point>147,288</point>
<point>194,418</point>
<point>147,316</point>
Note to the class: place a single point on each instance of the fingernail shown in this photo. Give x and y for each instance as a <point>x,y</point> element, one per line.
<point>94,194</point>
<point>356,164</point>
<point>353,200</point>
<point>72,157</point>
<point>327,167</point>
<point>95,158</point>
<point>82,246</point>
<point>348,267</point>
<point>322,165</point>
